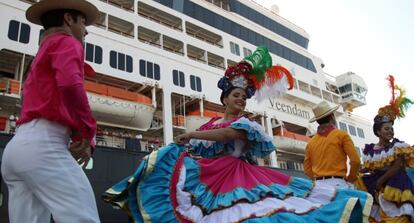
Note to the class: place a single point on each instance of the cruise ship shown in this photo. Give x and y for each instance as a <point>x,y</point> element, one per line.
<point>158,63</point>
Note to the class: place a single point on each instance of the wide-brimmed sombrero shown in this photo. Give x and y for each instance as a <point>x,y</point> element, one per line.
<point>322,110</point>
<point>35,11</point>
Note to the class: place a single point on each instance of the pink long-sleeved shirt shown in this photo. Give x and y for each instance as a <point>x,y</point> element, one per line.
<point>54,87</point>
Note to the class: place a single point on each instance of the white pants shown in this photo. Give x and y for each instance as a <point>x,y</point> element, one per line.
<point>43,178</point>
<point>337,183</point>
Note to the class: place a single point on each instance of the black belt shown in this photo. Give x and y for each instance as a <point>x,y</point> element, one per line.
<point>328,177</point>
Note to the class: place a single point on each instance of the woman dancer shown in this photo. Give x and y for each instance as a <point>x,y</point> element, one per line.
<point>385,175</point>
<point>171,185</point>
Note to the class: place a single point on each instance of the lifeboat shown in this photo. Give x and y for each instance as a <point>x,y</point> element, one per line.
<point>118,107</point>
<point>194,119</point>
<point>291,142</point>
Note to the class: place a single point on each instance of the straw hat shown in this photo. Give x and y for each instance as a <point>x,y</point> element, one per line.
<point>322,110</point>
<point>35,11</point>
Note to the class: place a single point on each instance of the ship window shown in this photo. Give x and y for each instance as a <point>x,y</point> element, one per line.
<point>246,52</point>
<point>360,132</point>
<point>345,88</point>
<point>93,53</point>
<point>343,127</point>
<point>178,78</point>
<point>120,61</point>
<point>195,83</point>
<point>234,48</point>
<point>156,72</point>
<point>149,69</point>
<point>19,31</point>
<point>352,130</point>
<point>142,68</point>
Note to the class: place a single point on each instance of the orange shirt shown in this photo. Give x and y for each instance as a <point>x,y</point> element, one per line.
<point>327,156</point>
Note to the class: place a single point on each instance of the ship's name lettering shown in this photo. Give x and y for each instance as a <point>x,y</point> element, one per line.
<point>289,109</point>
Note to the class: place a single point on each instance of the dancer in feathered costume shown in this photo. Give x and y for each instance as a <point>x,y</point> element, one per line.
<point>385,174</point>
<point>171,185</point>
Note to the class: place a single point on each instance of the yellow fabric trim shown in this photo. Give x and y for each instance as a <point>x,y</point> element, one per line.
<point>346,214</point>
<point>359,183</point>
<point>151,163</point>
<point>144,214</point>
<point>150,167</point>
<point>397,196</point>
<point>367,208</point>
<point>396,219</point>
<point>111,191</point>
<point>407,152</point>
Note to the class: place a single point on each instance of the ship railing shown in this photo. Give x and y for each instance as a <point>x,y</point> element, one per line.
<point>293,135</point>
<point>173,50</point>
<point>204,39</point>
<point>120,32</point>
<point>149,42</point>
<point>216,66</point>
<point>119,5</point>
<point>160,22</point>
<point>197,59</point>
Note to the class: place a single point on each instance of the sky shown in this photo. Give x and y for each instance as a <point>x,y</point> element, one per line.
<point>372,38</point>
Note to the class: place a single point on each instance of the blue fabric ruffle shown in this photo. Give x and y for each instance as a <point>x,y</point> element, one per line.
<point>259,143</point>
<point>356,202</point>
<point>152,188</point>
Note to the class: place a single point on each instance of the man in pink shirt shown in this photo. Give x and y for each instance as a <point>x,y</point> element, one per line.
<point>39,166</point>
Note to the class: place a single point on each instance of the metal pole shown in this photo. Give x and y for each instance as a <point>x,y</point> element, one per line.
<point>21,74</point>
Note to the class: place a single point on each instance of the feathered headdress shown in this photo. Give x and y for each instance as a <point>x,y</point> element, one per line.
<point>257,76</point>
<point>398,105</point>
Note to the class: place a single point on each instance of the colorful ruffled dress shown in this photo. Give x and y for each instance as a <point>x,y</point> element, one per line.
<point>173,185</point>
<point>397,195</point>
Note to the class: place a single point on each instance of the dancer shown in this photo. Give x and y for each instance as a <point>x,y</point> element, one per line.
<point>327,152</point>
<point>41,172</point>
<point>171,185</point>
<point>387,165</point>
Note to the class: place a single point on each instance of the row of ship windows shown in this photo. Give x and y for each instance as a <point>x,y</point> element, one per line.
<point>197,12</point>
<point>351,130</point>
<point>21,32</point>
<point>235,49</point>
<point>282,51</point>
<point>147,69</point>
<point>217,21</point>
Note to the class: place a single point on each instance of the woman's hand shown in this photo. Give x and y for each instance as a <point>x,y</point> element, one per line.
<point>182,139</point>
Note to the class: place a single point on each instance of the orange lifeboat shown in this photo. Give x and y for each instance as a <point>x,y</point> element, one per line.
<point>194,119</point>
<point>119,107</point>
<point>291,142</point>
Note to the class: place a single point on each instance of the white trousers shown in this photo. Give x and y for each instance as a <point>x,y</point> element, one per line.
<point>44,179</point>
<point>337,183</point>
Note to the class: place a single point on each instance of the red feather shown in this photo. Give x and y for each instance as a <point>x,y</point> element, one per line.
<point>275,73</point>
